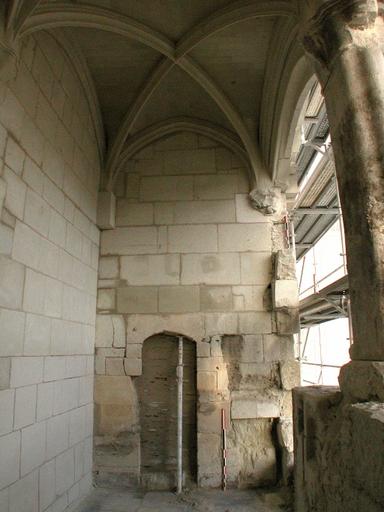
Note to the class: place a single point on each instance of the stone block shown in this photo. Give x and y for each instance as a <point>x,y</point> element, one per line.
<point>10,459</point>
<point>14,156</point>
<point>272,348</point>
<point>24,494</point>
<point>285,433</point>
<point>223,159</point>
<point>140,327</point>
<point>151,270</point>
<point>192,238</point>
<point>106,210</point>
<point>66,395</point>
<point>33,440</point>
<point>245,237</point>
<point>203,349</point>
<point>169,188</point>
<point>11,332</point>
<point>57,229</point>
<point>118,331</point>
<point>183,140</point>
<point>216,298</point>
<point>132,240</point>
<point>285,294</point>
<point>57,435</point>
<point>259,322</point>
<point>249,298</point>
<point>289,374</point>
<point>211,187</point>
<point>133,367</point>
<point>104,331</point>
<point>33,250</point>
<point>114,366</point>
<point>252,350</point>
<point>65,471</point>
<point>256,268</point>
<point>5,372</point>
<point>363,380</point>
<point>206,381</point>
<point>11,283</point>
<point>209,459</point>
<point>26,371</point>
<point>285,264</point>
<point>25,406</point>
<point>33,176</point>
<point>6,240</point>
<point>109,267</point>
<point>189,161</point>
<point>179,299</point>
<point>132,186</point>
<point>287,321</point>
<point>221,323</point>
<point>252,409</point>
<point>209,417</point>
<point>245,213</point>
<point>43,295</point>
<point>211,269</point>
<point>45,397</point>
<point>37,213</point>
<point>3,191</point>
<point>15,196</point>
<point>37,335</point>
<point>47,491</point>
<point>216,346</point>
<point>134,214</point>
<point>137,299</point>
<point>106,299</point>
<point>7,403</point>
<point>197,212</point>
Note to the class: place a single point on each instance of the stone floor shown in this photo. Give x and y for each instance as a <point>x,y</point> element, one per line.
<point>123,500</point>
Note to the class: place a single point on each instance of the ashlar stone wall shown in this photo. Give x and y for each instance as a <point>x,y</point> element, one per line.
<point>190,256</point>
<point>49,173</point>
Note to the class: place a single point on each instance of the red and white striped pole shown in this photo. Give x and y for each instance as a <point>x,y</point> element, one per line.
<point>224,431</point>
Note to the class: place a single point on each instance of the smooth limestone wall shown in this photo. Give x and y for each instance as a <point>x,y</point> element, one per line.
<point>49,175</point>
<point>190,256</point>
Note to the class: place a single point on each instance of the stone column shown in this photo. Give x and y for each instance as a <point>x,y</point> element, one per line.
<point>341,37</point>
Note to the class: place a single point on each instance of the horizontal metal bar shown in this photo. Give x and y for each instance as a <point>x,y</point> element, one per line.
<point>321,365</point>
<point>319,317</point>
<point>317,211</point>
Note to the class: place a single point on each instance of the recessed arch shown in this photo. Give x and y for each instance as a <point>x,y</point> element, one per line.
<point>171,126</point>
<point>51,15</point>
<point>235,13</point>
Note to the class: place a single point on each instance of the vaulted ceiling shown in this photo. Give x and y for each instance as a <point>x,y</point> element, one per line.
<point>155,64</point>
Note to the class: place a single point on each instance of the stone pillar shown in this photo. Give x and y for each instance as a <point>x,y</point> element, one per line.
<point>341,38</point>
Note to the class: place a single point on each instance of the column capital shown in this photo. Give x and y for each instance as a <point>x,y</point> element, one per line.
<point>328,27</point>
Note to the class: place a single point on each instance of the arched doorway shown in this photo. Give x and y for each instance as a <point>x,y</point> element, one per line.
<point>157,392</point>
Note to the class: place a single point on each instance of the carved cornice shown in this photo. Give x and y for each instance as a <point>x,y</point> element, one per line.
<point>331,26</point>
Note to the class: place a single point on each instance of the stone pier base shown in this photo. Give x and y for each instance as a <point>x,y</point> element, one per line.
<point>339,452</point>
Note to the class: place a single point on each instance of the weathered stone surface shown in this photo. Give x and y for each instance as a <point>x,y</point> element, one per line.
<point>285,264</point>
<point>289,374</point>
<point>133,367</point>
<point>248,409</point>
<point>137,299</point>
<point>179,299</point>
<point>362,381</point>
<point>216,298</point>
<point>285,294</point>
<point>287,321</point>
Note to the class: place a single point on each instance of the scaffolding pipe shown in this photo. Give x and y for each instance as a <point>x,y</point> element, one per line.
<point>180,418</point>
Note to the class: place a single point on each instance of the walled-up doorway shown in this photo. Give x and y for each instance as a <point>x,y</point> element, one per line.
<point>157,392</point>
